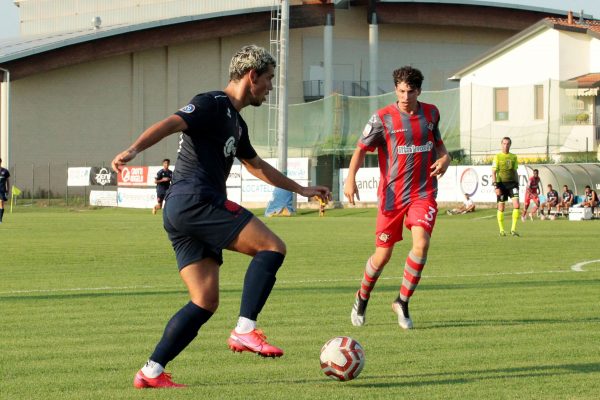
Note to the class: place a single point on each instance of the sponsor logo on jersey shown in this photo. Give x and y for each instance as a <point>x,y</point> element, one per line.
<point>367,130</point>
<point>415,149</point>
<point>188,109</point>
<point>399,130</point>
<point>229,149</point>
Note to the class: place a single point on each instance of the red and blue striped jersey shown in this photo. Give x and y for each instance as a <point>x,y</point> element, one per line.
<point>406,146</point>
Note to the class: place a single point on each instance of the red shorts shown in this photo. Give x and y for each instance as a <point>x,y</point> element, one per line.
<point>421,212</point>
<point>532,197</point>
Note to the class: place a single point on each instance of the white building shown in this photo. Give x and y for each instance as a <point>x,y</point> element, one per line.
<point>541,86</point>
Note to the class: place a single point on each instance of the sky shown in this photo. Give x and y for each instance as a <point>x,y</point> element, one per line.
<point>9,13</point>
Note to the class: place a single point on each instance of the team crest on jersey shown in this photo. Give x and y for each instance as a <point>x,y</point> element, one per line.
<point>367,130</point>
<point>384,237</point>
<point>188,109</point>
<point>228,112</point>
<point>229,149</point>
<point>430,126</point>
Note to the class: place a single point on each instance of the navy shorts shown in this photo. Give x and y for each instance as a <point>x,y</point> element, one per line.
<point>160,194</point>
<point>199,228</point>
<point>3,196</point>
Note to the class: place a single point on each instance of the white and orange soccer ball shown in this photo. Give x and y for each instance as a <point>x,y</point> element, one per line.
<point>342,358</point>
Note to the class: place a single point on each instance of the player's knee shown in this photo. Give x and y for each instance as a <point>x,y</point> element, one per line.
<point>420,247</point>
<point>208,302</point>
<point>277,245</point>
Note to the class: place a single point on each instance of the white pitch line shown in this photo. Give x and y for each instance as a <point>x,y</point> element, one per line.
<point>576,268</point>
<point>579,266</point>
<point>77,289</point>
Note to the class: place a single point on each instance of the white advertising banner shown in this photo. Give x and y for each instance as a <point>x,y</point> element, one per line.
<point>235,176</point>
<point>103,198</point>
<point>152,171</point>
<point>257,191</point>
<point>297,168</point>
<point>78,176</point>
<point>367,181</point>
<point>247,188</point>
<point>476,181</point>
<point>136,198</point>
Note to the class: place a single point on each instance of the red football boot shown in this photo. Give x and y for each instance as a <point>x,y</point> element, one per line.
<point>254,342</point>
<point>141,381</point>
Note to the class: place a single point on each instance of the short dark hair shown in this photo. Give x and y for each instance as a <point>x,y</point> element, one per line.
<point>167,160</point>
<point>506,138</point>
<point>588,187</point>
<point>409,75</point>
<point>536,170</point>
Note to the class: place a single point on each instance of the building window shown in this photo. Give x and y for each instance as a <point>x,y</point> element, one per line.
<point>538,94</point>
<point>501,104</point>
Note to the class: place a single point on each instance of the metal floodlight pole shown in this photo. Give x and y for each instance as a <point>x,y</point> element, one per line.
<point>282,116</point>
<point>5,119</point>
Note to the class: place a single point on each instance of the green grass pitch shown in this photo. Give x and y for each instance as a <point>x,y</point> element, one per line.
<point>85,295</point>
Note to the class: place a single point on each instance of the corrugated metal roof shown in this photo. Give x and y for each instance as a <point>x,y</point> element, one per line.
<point>496,4</point>
<point>23,46</point>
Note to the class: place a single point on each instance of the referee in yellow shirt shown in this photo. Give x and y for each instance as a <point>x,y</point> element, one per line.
<point>506,181</point>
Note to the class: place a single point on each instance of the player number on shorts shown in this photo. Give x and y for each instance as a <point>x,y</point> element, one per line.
<point>430,215</point>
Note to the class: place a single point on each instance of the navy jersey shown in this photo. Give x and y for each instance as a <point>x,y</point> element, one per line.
<point>4,175</point>
<point>216,133</point>
<point>162,173</point>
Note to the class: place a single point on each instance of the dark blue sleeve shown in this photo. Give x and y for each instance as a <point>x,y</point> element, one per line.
<point>199,113</point>
<point>245,151</point>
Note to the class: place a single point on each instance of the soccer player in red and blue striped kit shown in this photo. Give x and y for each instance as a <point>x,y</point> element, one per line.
<point>412,155</point>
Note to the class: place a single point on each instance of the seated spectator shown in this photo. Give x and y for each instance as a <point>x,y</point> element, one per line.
<point>467,207</point>
<point>551,201</point>
<point>567,200</point>
<point>590,198</point>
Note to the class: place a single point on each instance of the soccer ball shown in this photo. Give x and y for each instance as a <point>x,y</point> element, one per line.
<point>342,358</point>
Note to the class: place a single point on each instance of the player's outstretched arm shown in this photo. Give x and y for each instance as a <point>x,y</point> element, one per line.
<point>267,173</point>
<point>148,138</point>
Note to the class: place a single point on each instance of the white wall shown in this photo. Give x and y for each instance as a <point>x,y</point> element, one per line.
<point>534,60</point>
<point>542,59</point>
<point>574,50</point>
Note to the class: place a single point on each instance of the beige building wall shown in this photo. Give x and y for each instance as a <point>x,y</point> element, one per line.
<point>87,113</point>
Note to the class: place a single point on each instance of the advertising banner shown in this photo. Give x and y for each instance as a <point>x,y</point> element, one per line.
<point>133,176</point>
<point>367,181</point>
<point>136,198</point>
<point>476,181</point>
<point>103,176</point>
<point>103,198</point>
<point>78,176</point>
<point>235,176</point>
<point>257,191</point>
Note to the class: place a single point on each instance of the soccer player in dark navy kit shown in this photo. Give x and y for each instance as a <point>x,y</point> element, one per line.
<point>4,187</point>
<point>411,156</point>
<point>201,221</point>
<point>162,181</point>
